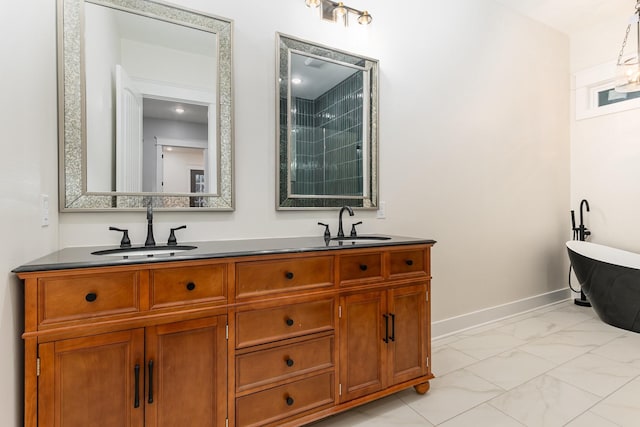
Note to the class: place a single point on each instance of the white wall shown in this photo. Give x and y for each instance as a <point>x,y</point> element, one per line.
<point>28,168</point>
<point>102,55</point>
<point>177,166</point>
<point>162,64</point>
<point>605,150</point>
<point>474,146</point>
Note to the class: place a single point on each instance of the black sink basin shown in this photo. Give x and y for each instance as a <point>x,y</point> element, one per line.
<point>147,251</point>
<point>356,238</point>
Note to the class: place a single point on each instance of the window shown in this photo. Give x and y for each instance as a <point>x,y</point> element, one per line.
<point>595,94</point>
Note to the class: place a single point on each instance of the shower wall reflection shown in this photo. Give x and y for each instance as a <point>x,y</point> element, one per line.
<point>327,141</point>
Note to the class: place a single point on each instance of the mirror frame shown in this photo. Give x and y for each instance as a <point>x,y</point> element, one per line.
<point>285,46</point>
<point>72,138</point>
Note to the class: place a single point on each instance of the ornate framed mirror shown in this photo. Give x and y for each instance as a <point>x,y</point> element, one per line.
<point>145,107</point>
<point>327,127</point>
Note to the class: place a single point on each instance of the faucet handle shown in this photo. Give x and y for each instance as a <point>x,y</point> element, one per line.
<point>327,232</point>
<point>172,235</point>
<point>353,229</point>
<point>125,242</point>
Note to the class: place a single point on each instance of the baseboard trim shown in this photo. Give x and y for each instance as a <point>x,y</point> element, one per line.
<point>452,325</point>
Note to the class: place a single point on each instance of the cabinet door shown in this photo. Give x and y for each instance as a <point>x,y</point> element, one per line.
<point>363,351</point>
<point>186,373</point>
<point>408,337</point>
<point>91,381</point>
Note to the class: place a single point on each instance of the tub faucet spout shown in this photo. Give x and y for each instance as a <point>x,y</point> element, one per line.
<point>583,232</point>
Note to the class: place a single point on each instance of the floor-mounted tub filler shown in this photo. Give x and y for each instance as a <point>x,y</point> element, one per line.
<point>610,278</point>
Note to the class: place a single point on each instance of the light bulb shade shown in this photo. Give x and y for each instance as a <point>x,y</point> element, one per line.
<point>340,11</point>
<point>628,75</point>
<point>312,3</point>
<point>364,18</point>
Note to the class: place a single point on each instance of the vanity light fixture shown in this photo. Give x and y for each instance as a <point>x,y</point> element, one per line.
<point>338,11</point>
<point>365,18</point>
<point>628,70</point>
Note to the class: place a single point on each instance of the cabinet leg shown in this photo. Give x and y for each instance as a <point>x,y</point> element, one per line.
<point>422,388</point>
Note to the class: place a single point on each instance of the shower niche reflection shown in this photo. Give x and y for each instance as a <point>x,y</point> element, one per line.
<point>327,127</point>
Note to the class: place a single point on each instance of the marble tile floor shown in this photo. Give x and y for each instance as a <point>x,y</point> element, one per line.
<point>555,366</point>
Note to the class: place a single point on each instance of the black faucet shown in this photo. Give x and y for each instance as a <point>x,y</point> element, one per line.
<point>340,230</point>
<point>125,242</point>
<point>150,240</point>
<point>583,232</point>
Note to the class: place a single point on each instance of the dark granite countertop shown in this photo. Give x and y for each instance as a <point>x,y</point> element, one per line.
<point>82,257</point>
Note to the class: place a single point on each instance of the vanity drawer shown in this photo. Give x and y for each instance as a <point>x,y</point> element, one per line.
<point>360,267</point>
<point>278,323</point>
<point>274,364</point>
<point>265,277</point>
<point>408,262</point>
<point>274,404</point>
<point>84,296</point>
<point>188,285</point>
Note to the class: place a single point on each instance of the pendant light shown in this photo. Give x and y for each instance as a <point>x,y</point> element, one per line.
<point>628,70</point>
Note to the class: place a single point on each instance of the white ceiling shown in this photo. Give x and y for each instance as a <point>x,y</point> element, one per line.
<point>571,16</point>
<point>317,75</point>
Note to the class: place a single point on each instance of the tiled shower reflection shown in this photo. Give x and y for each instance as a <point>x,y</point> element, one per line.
<point>327,141</point>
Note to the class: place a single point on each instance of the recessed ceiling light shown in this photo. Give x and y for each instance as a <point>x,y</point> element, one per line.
<point>179,110</point>
<point>296,80</point>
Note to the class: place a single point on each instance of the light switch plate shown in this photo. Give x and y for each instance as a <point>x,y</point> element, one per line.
<point>382,211</point>
<point>44,210</point>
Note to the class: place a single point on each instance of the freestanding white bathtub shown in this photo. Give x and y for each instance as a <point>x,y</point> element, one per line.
<point>610,278</point>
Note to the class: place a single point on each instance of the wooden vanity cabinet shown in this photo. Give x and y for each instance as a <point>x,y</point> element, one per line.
<point>264,340</point>
<point>126,346</point>
<point>383,339</point>
<point>164,375</point>
<point>91,380</point>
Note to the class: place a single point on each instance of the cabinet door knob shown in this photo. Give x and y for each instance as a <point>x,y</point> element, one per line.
<point>191,286</point>
<point>289,400</point>
<point>409,262</point>
<point>289,362</point>
<point>91,297</point>
<point>289,322</point>
<point>289,275</point>
<point>363,267</point>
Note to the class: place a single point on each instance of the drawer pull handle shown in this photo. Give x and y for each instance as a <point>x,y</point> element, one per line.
<point>289,400</point>
<point>191,286</point>
<point>409,262</point>
<point>289,321</point>
<point>289,275</point>
<point>136,397</point>
<point>289,362</point>
<point>91,297</point>
<point>363,267</point>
